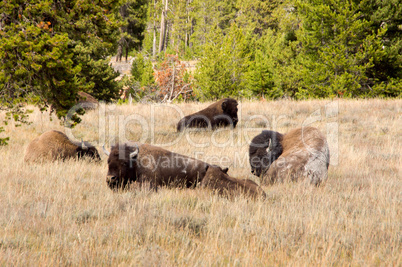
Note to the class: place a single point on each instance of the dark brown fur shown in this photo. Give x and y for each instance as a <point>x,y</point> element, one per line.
<point>152,164</point>
<point>219,181</point>
<point>221,113</point>
<point>53,145</point>
<point>302,152</point>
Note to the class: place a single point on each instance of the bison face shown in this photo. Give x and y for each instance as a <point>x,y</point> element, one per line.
<point>229,107</point>
<point>264,150</point>
<point>122,164</point>
<point>86,150</point>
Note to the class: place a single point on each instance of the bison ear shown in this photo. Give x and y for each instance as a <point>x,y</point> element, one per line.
<point>225,170</point>
<point>206,168</point>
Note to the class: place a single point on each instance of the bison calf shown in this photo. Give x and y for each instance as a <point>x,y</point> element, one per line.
<point>53,145</point>
<point>302,152</point>
<point>131,162</point>
<point>217,179</point>
<point>221,113</point>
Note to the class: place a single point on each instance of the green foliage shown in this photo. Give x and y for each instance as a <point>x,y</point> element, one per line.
<point>3,140</point>
<point>142,70</point>
<point>51,50</point>
<point>133,15</point>
<point>207,16</point>
<point>261,73</point>
<point>221,71</point>
<point>258,16</point>
<point>340,52</point>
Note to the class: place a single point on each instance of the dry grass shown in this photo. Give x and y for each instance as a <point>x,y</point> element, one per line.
<point>63,213</point>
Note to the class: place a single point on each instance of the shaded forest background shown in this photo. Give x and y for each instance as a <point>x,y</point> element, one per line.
<point>50,50</point>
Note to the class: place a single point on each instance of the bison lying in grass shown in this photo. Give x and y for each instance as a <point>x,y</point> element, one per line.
<point>221,113</point>
<point>217,179</point>
<point>53,145</point>
<point>302,152</point>
<point>155,166</point>
<point>143,163</point>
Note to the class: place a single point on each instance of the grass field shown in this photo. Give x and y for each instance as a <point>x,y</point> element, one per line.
<point>63,213</point>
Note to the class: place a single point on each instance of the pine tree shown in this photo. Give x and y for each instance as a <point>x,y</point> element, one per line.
<point>339,50</point>
<point>49,51</point>
<point>258,15</point>
<point>208,15</point>
<point>221,71</point>
<point>263,68</point>
<point>133,14</point>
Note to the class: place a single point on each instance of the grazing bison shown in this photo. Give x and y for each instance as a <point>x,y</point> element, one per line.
<point>302,152</point>
<point>87,101</point>
<point>132,162</point>
<point>53,145</point>
<point>218,179</point>
<point>221,113</point>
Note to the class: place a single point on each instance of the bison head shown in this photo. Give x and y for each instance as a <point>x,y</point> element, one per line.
<point>122,164</point>
<point>229,108</point>
<point>264,149</point>
<point>85,149</point>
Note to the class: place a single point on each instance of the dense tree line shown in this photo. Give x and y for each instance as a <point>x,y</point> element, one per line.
<point>50,50</point>
<point>298,49</point>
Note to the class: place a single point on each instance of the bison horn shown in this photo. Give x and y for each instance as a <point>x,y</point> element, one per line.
<point>135,153</point>
<point>107,153</point>
<point>83,146</point>
<point>269,145</point>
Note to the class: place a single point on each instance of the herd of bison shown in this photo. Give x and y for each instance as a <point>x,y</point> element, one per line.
<point>301,153</point>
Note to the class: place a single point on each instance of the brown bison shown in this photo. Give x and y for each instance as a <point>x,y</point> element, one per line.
<point>221,113</point>
<point>132,162</point>
<point>302,152</point>
<point>87,101</point>
<point>53,145</point>
<point>217,179</point>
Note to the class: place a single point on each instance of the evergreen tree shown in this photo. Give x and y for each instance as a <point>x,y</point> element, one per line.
<point>339,50</point>
<point>49,49</point>
<point>263,68</point>
<point>182,26</point>
<point>221,72</point>
<point>208,15</point>
<point>133,14</point>
<point>258,15</point>
<point>142,71</point>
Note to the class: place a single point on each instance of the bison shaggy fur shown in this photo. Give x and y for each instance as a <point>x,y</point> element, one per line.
<point>219,114</point>
<point>53,145</point>
<point>218,180</point>
<point>144,163</point>
<point>300,153</point>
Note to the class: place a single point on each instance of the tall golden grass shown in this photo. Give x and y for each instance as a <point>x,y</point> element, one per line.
<point>63,213</point>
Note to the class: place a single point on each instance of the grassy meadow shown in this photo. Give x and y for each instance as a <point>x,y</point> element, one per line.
<point>63,213</point>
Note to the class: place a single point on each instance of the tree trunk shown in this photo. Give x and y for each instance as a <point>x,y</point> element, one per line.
<point>163,28</point>
<point>154,40</point>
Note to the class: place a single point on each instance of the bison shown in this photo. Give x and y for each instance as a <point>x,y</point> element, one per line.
<point>302,152</point>
<point>134,162</point>
<point>53,145</point>
<point>87,101</point>
<point>217,179</point>
<point>219,114</point>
